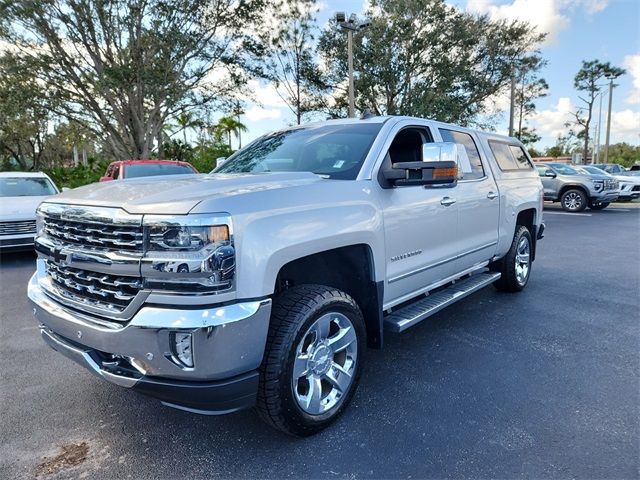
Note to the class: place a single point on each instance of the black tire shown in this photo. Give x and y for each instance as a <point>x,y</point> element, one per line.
<point>294,312</point>
<point>573,200</point>
<point>598,205</point>
<point>509,281</point>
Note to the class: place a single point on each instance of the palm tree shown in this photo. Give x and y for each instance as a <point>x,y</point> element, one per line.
<point>184,121</point>
<point>229,125</point>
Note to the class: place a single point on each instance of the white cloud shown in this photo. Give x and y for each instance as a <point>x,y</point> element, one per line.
<point>256,113</point>
<point>265,94</point>
<point>625,126</point>
<point>548,16</point>
<point>551,122</point>
<point>632,64</point>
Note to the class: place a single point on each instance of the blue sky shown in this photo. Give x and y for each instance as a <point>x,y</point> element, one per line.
<point>608,30</point>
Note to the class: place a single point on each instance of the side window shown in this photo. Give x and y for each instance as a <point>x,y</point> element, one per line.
<point>116,172</point>
<point>407,144</point>
<point>542,170</point>
<point>521,157</point>
<point>504,156</point>
<point>472,151</point>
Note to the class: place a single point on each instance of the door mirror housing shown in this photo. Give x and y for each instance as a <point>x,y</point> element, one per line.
<point>550,174</point>
<point>439,166</point>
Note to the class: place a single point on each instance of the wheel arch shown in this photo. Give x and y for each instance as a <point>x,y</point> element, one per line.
<point>573,186</point>
<point>350,269</point>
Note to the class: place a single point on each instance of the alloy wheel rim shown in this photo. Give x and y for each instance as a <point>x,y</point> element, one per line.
<point>325,363</point>
<point>573,201</point>
<point>522,260</point>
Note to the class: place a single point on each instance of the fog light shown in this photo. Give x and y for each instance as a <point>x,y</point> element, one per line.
<point>183,348</point>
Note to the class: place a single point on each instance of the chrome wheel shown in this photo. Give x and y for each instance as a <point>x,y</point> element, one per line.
<point>325,363</point>
<point>572,201</point>
<point>522,260</point>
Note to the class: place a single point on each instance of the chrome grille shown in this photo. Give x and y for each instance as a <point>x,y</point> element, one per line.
<point>611,185</point>
<point>18,228</point>
<point>109,292</point>
<point>95,235</point>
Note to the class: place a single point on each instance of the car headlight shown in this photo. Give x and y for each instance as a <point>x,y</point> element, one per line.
<point>192,253</point>
<point>598,184</point>
<point>39,223</point>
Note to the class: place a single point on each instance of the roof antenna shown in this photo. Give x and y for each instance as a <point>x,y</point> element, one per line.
<point>366,114</point>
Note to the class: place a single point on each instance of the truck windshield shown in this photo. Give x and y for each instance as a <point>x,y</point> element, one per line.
<point>334,151</point>
<point>137,170</point>
<point>26,187</point>
<point>564,169</point>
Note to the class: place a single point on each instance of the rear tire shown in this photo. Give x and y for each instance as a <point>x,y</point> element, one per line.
<point>312,359</point>
<point>573,200</point>
<point>598,205</point>
<point>515,266</point>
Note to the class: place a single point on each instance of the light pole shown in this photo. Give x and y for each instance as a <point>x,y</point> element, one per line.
<point>351,26</point>
<point>606,138</point>
<point>596,154</point>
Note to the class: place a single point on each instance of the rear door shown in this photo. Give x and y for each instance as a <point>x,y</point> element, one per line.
<point>478,203</point>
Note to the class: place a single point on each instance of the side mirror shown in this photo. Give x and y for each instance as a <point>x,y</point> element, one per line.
<point>65,189</point>
<point>439,166</point>
<point>105,179</point>
<point>550,174</point>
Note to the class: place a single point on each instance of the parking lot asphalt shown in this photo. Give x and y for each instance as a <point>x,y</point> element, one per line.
<point>544,383</point>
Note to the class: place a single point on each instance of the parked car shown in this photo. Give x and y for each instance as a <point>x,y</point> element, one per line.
<point>574,190</point>
<point>612,168</point>
<point>629,184</point>
<point>145,168</point>
<point>264,283</point>
<point>21,193</point>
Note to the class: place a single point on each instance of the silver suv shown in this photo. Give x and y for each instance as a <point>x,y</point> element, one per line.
<point>575,191</point>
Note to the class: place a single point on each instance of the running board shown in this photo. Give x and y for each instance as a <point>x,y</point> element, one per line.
<point>405,317</point>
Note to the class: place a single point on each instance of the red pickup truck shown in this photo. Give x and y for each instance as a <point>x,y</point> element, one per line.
<point>145,168</point>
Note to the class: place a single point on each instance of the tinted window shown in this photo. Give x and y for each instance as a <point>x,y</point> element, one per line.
<point>137,170</point>
<point>472,151</point>
<point>520,156</point>
<point>26,187</point>
<point>504,156</point>
<point>336,151</point>
<point>564,169</point>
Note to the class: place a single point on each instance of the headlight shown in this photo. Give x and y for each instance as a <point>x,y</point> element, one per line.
<point>192,253</point>
<point>598,184</point>
<point>39,223</point>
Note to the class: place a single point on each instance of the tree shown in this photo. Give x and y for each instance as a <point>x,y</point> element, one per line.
<point>24,116</point>
<point>564,146</point>
<point>426,58</point>
<point>587,81</point>
<point>529,88</point>
<point>122,67</point>
<point>290,61</point>
<point>229,125</point>
<point>185,120</point>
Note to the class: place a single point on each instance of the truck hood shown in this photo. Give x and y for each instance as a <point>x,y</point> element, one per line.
<point>20,208</point>
<point>178,194</point>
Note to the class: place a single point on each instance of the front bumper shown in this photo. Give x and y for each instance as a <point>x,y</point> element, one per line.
<point>227,343</point>
<point>607,196</point>
<point>23,241</point>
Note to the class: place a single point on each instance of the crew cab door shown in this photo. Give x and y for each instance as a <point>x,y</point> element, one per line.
<point>478,203</point>
<point>419,224</point>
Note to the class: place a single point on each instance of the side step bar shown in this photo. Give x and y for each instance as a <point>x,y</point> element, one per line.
<point>400,320</point>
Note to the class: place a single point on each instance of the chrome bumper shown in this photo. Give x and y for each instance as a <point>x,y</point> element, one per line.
<point>227,340</point>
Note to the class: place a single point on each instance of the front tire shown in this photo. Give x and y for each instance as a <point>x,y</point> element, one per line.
<point>598,205</point>
<point>312,360</point>
<point>515,266</point>
<point>573,200</point>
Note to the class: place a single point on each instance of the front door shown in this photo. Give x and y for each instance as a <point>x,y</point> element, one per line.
<point>419,224</point>
<point>478,204</point>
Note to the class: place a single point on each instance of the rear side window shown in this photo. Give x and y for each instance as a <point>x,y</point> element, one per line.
<point>510,157</point>
<point>472,151</point>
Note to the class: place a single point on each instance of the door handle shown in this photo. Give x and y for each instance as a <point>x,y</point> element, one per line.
<point>492,195</point>
<point>446,201</point>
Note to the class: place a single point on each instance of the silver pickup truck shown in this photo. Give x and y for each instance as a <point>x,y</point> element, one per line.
<point>263,283</point>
